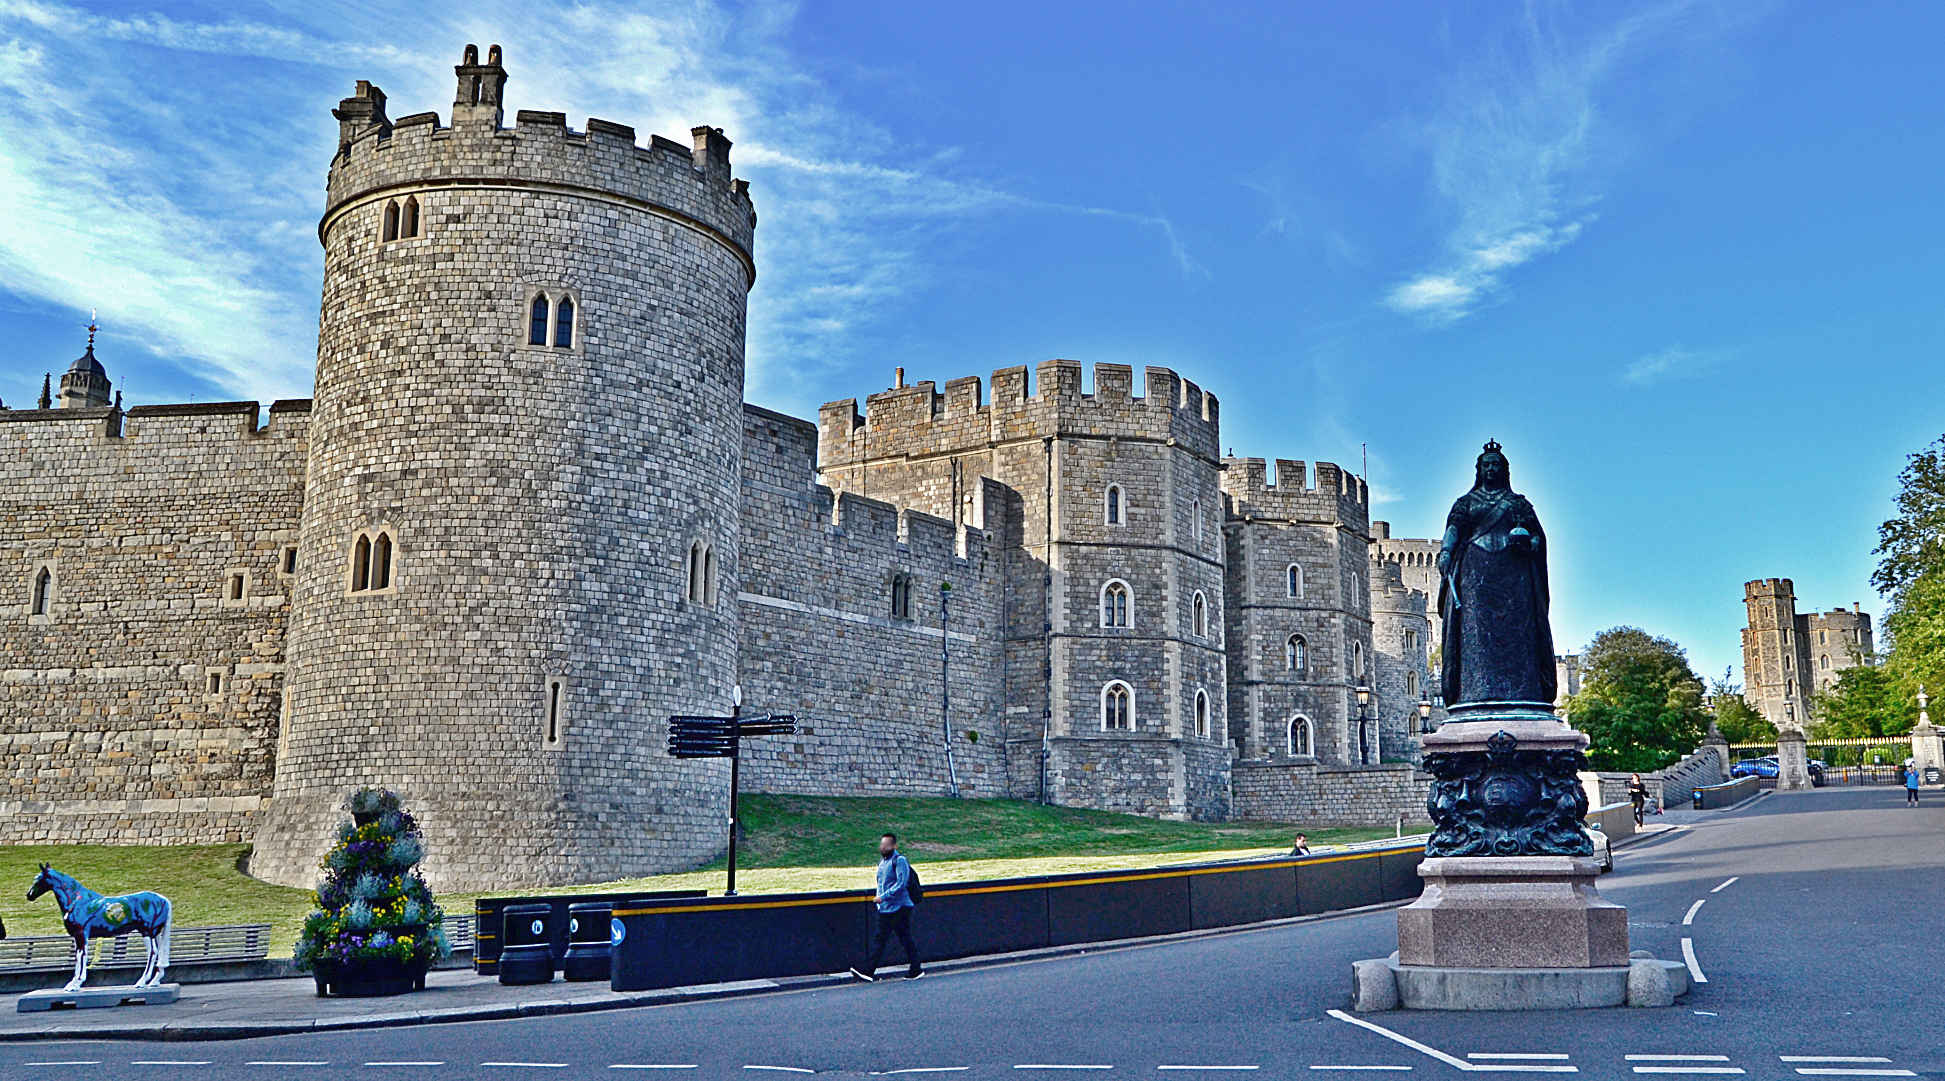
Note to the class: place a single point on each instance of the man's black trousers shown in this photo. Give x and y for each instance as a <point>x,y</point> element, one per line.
<point>889,923</point>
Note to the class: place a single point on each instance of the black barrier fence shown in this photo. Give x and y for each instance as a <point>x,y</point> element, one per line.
<point>710,940</point>
<point>1712,797</point>
<point>486,913</point>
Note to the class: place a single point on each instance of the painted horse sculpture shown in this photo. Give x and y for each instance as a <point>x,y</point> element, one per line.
<point>88,915</point>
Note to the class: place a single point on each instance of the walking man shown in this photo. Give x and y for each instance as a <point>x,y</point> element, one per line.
<point>1302,847</point>
<point>1911,783</point>
<point>1637,795</point>
<point>894,911</point>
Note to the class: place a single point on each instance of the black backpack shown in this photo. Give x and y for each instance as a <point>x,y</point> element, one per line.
<point>913,887</point>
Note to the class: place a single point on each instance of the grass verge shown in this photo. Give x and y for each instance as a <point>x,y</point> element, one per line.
<point>789,843</point>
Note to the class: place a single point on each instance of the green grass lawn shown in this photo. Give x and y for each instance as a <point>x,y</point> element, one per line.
<point>790,843</point>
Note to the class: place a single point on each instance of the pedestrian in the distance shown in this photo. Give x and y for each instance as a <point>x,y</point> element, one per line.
<point>1911,783</point>
<point>895,880</point>
<point>1637,795</point>
<point>1302,847</point>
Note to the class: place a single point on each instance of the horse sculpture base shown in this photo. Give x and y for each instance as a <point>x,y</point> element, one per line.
<point>90,998</point>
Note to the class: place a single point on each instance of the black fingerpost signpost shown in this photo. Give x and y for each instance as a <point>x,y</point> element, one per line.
<point>719,737</point>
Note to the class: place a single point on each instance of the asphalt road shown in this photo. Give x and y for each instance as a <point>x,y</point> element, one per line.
<point>1815,918</point>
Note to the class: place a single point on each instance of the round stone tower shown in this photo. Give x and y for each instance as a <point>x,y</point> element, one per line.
<point>518,549</point>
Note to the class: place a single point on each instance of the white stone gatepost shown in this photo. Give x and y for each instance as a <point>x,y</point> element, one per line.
<point>1927,742</point>
<point>1793,761</point>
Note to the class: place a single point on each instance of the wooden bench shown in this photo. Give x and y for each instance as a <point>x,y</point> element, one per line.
<point>187,946</point>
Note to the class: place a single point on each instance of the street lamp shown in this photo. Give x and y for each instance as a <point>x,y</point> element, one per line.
<point>1363,729</point>
<point>1424,715</point>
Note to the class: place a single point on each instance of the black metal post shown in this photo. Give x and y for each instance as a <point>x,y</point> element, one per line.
<point>734,746</point>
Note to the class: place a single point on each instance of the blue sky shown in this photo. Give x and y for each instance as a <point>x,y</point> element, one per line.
<point>1680,258</point>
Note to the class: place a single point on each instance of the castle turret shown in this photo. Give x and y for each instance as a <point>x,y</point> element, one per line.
<point>85,384</point>
<point>519,546</point>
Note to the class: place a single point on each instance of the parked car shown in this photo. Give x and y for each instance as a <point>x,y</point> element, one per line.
<point>1602,851</point>
<point>1766,766</point>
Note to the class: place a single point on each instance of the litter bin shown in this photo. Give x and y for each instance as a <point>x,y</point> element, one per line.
<point>587,941</point>
<point>1932,776</point>
<point>525,954</point>
<point>1698,799</point>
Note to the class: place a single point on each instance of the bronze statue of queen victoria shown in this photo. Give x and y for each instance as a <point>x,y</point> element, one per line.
<point>1497,644</point>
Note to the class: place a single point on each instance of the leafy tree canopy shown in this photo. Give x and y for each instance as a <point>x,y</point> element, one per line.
<point>1735,718</point>
<point>1916,630</point>
<point>1912,544</point>
<point>1867,701</point>
<point>1640,702</point>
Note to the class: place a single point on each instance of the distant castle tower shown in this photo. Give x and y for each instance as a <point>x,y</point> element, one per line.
<point>85,384</point>
<point>1787,657</point>
<point>519,541</point>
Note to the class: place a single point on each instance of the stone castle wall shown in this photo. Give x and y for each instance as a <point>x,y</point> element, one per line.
<point>1342,795</point>
<point>1269,528</point>
<point>542,498</point>
<point>1674,785</point>
<point>820,639</point>
<point>143,706</point>
<point>1399,632</point>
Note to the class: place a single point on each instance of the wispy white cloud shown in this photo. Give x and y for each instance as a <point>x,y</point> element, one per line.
<point>1514,149</point>
<point>1674,362</point>
<point>168,169</point>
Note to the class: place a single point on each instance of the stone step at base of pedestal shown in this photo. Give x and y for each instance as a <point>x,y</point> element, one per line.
<point>91,998</point>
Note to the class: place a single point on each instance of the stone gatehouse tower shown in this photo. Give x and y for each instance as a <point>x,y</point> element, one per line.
<point>1112,556</point>
<point>1789,657</point>
<point>518,547</point>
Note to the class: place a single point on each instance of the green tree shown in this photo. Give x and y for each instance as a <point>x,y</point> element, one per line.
<point>1916,632</point>
<point>1912,545</point>
<point>1734,717</point>
<point>1866,701</point>
<point>1640,702</point>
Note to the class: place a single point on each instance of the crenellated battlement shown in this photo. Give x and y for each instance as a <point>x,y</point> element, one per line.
<point>1336,495</point>
<point>918,420</point>
<point>106,437</point>
<point>379,159</point>
<point>1768,588</point>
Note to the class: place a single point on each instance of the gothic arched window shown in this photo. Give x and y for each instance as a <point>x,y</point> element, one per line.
<point>1117,707</point>
<point>1293,580</point>
<point>381,561</point>
<point>391,221</point>
<point>361,564</point>
<point>564,324</point>
<point>1117,608</point>
<point>409,221</point>
<point>43,591</point>
<point>1202,714</point>
<point>1113,500</point>
<point>537,326</point>
<point>1299,744</point>
<point>1295,653</point>
<point>1199,618</point>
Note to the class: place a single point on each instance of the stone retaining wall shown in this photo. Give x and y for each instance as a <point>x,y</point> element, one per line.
<point>1339,795</point>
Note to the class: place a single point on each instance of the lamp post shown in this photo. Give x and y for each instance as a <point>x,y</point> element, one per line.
<point>1363,731</point>
<point>1424,715</point>
<point>945,683</point>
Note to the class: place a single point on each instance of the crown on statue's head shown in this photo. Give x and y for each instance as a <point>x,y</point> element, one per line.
<point>1492,446</point>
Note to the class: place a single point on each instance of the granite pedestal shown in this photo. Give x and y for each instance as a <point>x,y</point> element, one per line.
<point>89,998</point>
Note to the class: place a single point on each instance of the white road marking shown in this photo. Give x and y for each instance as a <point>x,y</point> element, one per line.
<point>1690,1069</point>
<point>1517,1055</point>
<point>1360,1067</point>
<point>1704,1013</point>
<point>1059,1066</point>
<point>1451,1060</point>
<point>1677,1058</point>
<point>1205,1067</point>
<point>926,1069</point>
<point>288,1062</point>
<point>1851,1071</point>
<point>1730,881</point>
<point>781,1069</point>
<point>169,1062</point>
<point>67,1062</point>
<point>652,1066</point>
<point>1694,967</point>
<point>1689,919</point>
<point>528,1065</point>
<point>428,1062</point>
<point>1832,1058</point>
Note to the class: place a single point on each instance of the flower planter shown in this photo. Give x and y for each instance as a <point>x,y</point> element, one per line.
<point>362,979</point>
